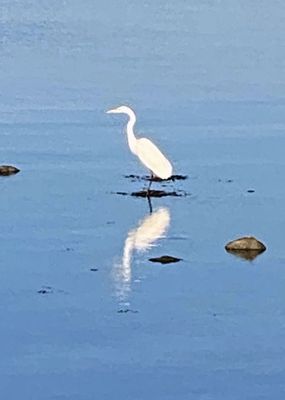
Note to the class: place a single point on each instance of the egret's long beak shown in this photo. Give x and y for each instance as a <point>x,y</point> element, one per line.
<point>111,111</point>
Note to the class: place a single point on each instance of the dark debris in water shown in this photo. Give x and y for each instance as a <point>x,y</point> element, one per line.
<point>126,310</point>
<point>165,259</point>
<point>45,290</point>
<point>49,290</point>
<point>94,269</point>
<point>154,193</point>
<point>158,193</point>
<point>226,180</point>
<point>155,178</point>
<point>6,170</point>
<point>122,193</point>
<point>69,249</point>
<point>250,191</point>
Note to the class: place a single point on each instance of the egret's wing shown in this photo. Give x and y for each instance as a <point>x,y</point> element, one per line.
<point>153,158</point>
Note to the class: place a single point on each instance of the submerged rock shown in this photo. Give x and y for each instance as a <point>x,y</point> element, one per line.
<point>247,247</point>
<point>165,259</point>
<point>6,170</point>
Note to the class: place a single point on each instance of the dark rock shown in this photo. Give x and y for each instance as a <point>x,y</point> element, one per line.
<point>247,247</point>
<point>6,170</point>
<point>93,269</point>
<point>250,191</point>
<point>246,243</point>
<point>165,259</point>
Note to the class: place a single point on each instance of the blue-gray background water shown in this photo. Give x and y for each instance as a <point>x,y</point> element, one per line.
<point>207,81</point>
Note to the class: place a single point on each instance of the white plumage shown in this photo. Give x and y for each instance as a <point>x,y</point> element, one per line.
<point>147,152</point>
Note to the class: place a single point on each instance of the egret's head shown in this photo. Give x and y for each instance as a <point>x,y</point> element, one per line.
<point>121,110</point>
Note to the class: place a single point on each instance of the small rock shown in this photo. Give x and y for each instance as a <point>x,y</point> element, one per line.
<point>165,259</point>
<point>246,243</point>
<point>250,191</point>
<point>6,170</point>
<point>247,247</point>
<point>93,269</point>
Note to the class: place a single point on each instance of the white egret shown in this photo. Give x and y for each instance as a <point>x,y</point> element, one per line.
<point>147,152</point>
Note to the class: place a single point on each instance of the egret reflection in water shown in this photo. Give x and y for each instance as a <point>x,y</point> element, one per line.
<point>153,227</point>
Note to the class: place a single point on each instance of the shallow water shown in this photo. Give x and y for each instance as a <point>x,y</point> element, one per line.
<point>207,80</point>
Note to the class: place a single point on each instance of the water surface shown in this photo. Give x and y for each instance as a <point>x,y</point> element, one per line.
<point>207,81</point>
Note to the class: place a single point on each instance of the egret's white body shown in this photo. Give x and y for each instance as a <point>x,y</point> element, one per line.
<point>147,152</point>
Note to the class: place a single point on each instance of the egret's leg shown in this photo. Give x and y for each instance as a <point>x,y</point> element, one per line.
<point>150,182</point>
<point>149,204</point>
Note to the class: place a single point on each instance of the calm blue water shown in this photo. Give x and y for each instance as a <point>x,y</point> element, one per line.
<point>207,81</point>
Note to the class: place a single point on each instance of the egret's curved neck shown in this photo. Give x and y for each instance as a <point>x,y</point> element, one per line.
<point>130,132</point>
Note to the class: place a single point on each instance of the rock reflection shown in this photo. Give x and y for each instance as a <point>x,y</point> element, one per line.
<point>248,255</point>
<point>153,227</point>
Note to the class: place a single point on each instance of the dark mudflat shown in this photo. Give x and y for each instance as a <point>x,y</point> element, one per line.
<point>153,193</point>
<point>165,259</point>
<point>155,178</point>
<point>6,170</point>
<point>157,193</point>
